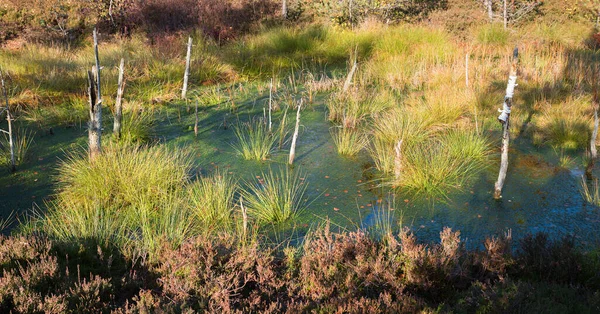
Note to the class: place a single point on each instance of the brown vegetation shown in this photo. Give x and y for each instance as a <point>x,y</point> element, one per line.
<point>331,273</point>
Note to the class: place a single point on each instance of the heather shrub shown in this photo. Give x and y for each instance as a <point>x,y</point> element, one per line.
<point>438,269</point>
<point>547,260</point>
<point>221,275</point>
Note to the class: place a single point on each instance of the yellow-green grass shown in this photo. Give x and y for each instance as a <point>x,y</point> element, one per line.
<point>255,142</point>
<point>212,199</point>
<point>275,196</point>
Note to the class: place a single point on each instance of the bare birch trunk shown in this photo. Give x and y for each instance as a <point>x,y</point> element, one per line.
<point>284,10</point>
<point>119,101</point>
<point>593,150</point>
<point>349,77</point>
<point>504,118</point>
<point>95,97</point>
<point>270,104</point>
<point>244,216</point>
<point>490,10</point>
<point>196,123</point>
<point>11,146</point>
<point>187,68</point>
<point>94,124</point>
<point>295,137</point>
<point>398,160</point>
<point>98,70</point>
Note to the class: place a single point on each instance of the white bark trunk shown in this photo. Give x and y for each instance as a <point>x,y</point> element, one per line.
<point>284,10</point>
<point>504,118</point>
<point>270,104</point>
<point>187,68</point>
<point>349,77</point>
<point>295,137</point>
<point>398,160</point>
<point>119,101</point>
<point>94,126</point>
<point>196,123</point>
<point>11,146</point>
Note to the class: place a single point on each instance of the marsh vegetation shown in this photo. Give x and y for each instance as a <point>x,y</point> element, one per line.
<point>305,157</point>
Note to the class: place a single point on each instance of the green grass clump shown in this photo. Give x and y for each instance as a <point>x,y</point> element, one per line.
<point>493,34</point>
<point>130,196</point>
<point>137,127</point>
<point>22,142</point>
<point>442,164</point>
<point>255,142</point>
<point>348,142</point>
<point>276,196</point>
<point>212,199</point>
<point>390,128</point>
<point>590,194</point>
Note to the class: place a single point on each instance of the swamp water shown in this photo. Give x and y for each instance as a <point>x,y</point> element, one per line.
<point>538,195</point>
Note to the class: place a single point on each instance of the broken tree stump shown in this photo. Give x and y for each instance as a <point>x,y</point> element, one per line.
<point>504,118</point>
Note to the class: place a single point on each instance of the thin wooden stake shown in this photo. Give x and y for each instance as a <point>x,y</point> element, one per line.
<point>295,137</point>
<point>504,118</point>
<point>284,10</point>
<point>398,160</point>
<point>350,76</point>
<point>187,68</point>
<point>282,128</point>
<point>270,104</point>
<point>119,101</point>
<point>98,70</point>
<point>196,123</point>
<point>13,166</point>
<point>244,216</point>
<point>593,150</point>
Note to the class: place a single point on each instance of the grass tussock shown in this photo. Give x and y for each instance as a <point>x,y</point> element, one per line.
<point>23,140</point>
<point>255,142</point>
<point>349,142</point>
<point>443,164</point>
<point>590,192</point>
<point>212,199</point>
<point>129,196</point>
<point>276,196</point>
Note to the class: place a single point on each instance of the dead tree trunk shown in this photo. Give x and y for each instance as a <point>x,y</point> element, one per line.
<point>398,160</point>
<point>196,123</point>
<point>295,137</point>
<point>98,70</point>
<point>284,10</point>
<point>11,146</point>
<point>349,77</point>
<point>94,130</point>
<point>244,217</point>
<point>270,104</point>
<point>119,102</point>
<point>490,11</point>
<point>593,150</point>
<point>95,98</point>
<point>504,118</point>
<point>187,68</point>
